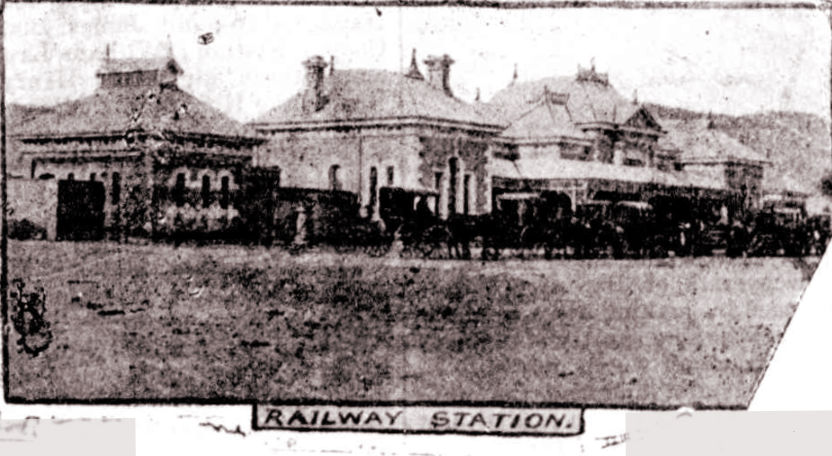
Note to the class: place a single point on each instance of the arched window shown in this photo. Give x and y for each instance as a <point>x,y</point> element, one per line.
<point>391,174</point>
<point>224,192</point>
<point>334,182</point>
<point>92,177</point>
<point>206,190</point>
<point>70,176</point>
<point>115,190</point>
<point>179,190</point>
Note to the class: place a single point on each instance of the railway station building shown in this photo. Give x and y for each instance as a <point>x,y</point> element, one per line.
<point>579,136</point>
<point>137,155</point>
<point>389,137</point>
<point>154,158</point>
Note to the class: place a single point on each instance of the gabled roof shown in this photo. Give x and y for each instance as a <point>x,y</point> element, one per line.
<point>544,119</point>
<point>149,108</point>
<point>362,95</point>
<point>701,143</point>
<point>111,65</point>
<point>588,101</point>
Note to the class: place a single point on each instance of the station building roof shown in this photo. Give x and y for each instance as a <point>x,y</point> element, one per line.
<point>361,95</point>
<point>700,142</point>
<point>132,104</point>
<point>572,101</point>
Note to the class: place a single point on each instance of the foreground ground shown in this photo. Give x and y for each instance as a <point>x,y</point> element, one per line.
<point>227,322</point>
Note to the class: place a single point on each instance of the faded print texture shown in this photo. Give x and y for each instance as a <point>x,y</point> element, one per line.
<point>359,204</point>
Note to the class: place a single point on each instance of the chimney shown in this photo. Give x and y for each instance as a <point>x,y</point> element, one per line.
<point>313,96</point>
<point>439,73</point>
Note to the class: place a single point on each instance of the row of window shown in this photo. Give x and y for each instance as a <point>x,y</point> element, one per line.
<point>205,192</point>
<point>335,179</point>
<point>178,192</point>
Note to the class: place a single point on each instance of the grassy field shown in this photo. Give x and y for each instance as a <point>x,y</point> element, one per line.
<point>154,322</point>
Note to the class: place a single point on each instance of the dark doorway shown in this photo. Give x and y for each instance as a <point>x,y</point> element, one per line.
<point>258,205</point>
<point>80,210</point>
<point>371,210</point>
<point>466,194</point>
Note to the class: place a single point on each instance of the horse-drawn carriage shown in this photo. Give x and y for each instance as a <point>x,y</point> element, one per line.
<point>405,217</point>
<point>549,225</point>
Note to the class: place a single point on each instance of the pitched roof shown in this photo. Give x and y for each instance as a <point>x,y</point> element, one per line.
<point>110,65</point>
<point>701,143</point>
<point>355,95</point>
<point>544,119</point>
<point>150,108</point>
<point>588,100</point>
<point>576,169</point>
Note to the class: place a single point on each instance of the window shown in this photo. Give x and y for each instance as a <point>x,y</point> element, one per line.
<point>70,176</point>
<point>224,192</point>
<point>390,176</point>
<point>92,177</point>
<point>46,176</point>
<point>437,180</point>
<point>206,190</point>
<point>179,190</point>
<point>334,181</point>
<point>115,190</point>
<point>453,165</point>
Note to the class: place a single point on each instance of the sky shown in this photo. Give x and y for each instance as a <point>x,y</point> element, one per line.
<point>729,61</point>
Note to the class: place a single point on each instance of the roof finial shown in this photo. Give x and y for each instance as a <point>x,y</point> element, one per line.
<point>477,99</point>
<point>414,72</point>
<point>514,77</point>
<point>635,96</point>
<point>331,64</point>
<point>107,52</point>
<point>170,47</point>
<point>710,120</point>
<point>592,64</point>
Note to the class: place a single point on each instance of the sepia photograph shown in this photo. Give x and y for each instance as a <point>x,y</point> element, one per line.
<point>524,213</point>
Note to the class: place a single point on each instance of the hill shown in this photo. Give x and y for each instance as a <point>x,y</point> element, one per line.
<point>798,144</point>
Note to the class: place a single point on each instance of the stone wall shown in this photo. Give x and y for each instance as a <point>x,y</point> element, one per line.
<point>472,154</point>
<point>306,159</point>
